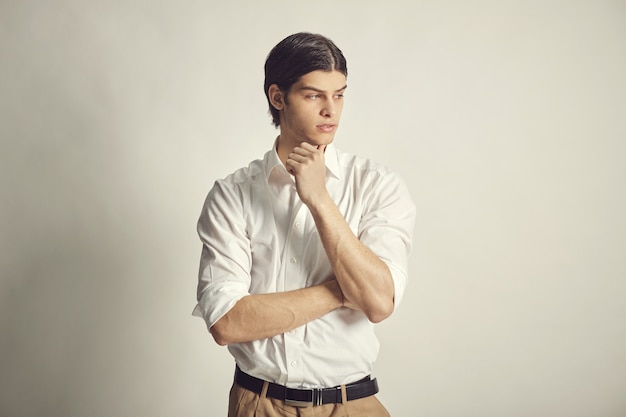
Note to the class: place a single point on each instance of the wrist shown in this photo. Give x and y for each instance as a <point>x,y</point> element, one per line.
<point>336,294</point>
<point>320,204</point>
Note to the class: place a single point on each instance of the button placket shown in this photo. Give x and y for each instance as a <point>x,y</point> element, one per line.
<point>295,278</point>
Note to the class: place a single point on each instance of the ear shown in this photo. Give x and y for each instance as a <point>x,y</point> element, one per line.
<point>276,96</point>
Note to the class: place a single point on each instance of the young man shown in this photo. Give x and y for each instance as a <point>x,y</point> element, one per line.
<point>303,251</point>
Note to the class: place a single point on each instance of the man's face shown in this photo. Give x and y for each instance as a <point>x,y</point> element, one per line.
<point>313,108</point>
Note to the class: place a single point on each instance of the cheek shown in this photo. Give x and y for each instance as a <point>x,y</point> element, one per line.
<point>296,120</point>
<point>304,115</point>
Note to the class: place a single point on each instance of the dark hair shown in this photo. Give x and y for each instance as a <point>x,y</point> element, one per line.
<point>297,55</point>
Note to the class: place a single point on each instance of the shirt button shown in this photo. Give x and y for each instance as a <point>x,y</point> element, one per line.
<point>297,225</point>
<point>293,260</point>
<point>294,364</point>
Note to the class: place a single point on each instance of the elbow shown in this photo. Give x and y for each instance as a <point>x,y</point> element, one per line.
<point>220,334</point>
<point>381,311</point>
<point>382,302</point>
<point>229,329</point>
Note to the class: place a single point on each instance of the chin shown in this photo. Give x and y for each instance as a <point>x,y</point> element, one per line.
<point>322,140</point>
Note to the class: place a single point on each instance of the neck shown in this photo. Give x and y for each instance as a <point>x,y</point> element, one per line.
<point>284,146</point>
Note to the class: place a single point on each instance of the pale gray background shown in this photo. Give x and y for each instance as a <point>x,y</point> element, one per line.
<point>506,118</point>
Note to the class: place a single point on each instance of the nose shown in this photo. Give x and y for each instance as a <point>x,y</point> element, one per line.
<point>329,109</point>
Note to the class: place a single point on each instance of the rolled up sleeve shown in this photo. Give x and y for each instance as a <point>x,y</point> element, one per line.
<point>386,227</point>
<point>224,275</point>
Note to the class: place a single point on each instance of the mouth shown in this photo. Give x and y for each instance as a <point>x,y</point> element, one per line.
<point>327,127</point>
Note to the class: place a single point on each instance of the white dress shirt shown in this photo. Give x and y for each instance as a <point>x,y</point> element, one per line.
<point>258,237</point>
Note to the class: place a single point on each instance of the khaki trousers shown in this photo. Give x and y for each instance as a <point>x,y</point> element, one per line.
<point>244,403</point>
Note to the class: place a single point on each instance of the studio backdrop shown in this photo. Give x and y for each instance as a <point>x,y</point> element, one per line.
<point>505,118</point>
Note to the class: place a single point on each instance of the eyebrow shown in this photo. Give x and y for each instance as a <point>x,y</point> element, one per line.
<point>308,87</point>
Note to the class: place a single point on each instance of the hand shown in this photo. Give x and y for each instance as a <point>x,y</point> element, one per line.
<point>349,304</point>
<point>333,285</point>
<point>306,163</point>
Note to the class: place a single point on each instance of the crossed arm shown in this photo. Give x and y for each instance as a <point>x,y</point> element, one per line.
<point>363,281</point>
<point>275,313</point>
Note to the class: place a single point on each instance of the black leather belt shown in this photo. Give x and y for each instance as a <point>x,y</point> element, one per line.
<point>307,397</point>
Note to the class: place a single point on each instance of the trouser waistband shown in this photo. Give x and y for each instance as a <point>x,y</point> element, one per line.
<point>307,397</point>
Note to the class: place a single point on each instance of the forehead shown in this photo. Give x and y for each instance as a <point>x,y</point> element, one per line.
<point>321,80</point>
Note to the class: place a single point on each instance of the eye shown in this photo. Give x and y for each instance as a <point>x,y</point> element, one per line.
<point>313,96</point>
<point>339,96</point>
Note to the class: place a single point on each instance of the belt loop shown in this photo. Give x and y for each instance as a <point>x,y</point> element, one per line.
<point>266,384</point>
<point>344,396</point>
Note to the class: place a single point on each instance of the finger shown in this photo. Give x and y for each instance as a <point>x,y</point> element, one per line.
<point>302,151</point>
<point>296,157</point>
<point>308,146</point>
<point>291,166</point>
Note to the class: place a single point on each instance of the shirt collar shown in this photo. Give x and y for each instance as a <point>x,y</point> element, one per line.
<point>332,161</point>
<point>273,161</point>
<point>330,157</point>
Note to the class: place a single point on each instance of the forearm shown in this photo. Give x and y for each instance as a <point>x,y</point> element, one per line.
<point>260,316</point>
<point>364,278</point>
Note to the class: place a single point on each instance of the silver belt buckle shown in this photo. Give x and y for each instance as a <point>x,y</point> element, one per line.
<point>316,399</point>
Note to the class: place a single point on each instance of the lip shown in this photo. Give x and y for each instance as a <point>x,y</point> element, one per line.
<point>327,127</point>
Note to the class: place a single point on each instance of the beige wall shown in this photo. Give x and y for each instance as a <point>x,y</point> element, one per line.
<point>505,118</point>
